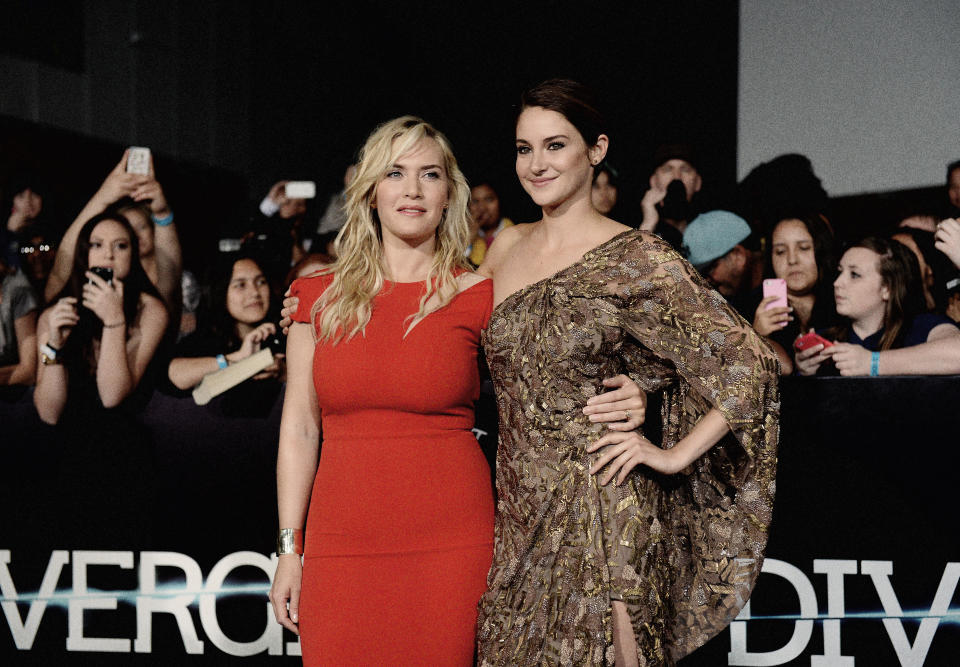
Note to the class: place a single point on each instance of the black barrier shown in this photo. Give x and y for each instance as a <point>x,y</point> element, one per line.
<point>863,560</point>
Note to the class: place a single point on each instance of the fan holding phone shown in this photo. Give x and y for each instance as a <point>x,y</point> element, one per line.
<point>103,327</point>
<point>800,255</point>
<point>883,326</point>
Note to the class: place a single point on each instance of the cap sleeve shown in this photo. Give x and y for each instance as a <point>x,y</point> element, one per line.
<point>308,290</point>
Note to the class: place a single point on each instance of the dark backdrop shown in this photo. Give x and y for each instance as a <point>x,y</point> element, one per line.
<point>323,79</point>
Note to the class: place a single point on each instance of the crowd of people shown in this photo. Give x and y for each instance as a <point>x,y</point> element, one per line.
<point>769,234</point>
<point>99,320</point>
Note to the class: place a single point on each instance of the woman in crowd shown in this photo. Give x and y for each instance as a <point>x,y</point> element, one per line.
<point>801,252</point>
<point>238,323</point>
<point>400,522</point>
<point>140,200</point>
<point>884,328</point>
<point>605,190</point>
<point>648,568</point>
<point>97,340</point>
<point>99,331</point>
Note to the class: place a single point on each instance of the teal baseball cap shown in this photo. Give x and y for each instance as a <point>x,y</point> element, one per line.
<point>712,235</point>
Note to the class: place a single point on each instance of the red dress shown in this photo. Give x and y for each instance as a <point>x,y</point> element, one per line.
<point>399,533</point>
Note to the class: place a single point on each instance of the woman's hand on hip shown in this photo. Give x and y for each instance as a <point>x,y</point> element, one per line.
<point>622,452</point>
<point>623,409</point>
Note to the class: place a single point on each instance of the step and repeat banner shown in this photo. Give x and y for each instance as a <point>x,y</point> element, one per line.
<point>148,540</point>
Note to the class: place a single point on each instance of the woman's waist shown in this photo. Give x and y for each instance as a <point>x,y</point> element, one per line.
<point>380,424</point>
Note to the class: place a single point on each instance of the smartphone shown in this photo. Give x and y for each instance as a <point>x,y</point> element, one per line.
<point>104,272</point>
<point>775,287</point>
<point>138,160</point>
<point>300,189</point>
<point>808,340</point>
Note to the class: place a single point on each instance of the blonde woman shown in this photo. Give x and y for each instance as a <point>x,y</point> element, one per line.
<point>384,348</point>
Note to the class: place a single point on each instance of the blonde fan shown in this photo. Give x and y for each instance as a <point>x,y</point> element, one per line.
<point>358,274</point>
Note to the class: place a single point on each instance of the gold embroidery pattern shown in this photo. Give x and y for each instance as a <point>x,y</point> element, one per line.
<point>682,552</point>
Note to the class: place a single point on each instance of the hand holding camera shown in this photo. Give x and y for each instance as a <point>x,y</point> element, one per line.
<point>264,336</point>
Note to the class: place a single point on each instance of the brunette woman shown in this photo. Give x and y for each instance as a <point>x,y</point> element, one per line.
<point>96,343</point>
<point>621,551</point>
<point>800,251</point>
<point>237,324</point>
<point>883,327</point>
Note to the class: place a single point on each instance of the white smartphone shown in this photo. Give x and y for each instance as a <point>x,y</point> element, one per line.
<point>775,287</point>
<point>300,190</point>
<point>138,160</point>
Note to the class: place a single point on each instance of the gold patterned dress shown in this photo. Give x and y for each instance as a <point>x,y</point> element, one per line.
<point>682,551</point>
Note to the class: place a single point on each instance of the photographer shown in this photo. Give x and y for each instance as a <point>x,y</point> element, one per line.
<point>234,326</point>
<point>668,206</point>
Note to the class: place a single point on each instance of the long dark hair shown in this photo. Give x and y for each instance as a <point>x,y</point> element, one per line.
<point>219,323</point>
<point>79,346</point>
<point>824,254</point>
<point>900,274</point>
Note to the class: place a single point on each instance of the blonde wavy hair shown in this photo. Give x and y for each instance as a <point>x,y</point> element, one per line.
<point>358,275</point>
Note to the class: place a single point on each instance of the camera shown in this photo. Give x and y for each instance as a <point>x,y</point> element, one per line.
<point>675,205</point>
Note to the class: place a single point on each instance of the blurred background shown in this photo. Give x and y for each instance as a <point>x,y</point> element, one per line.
<point>233,96</point>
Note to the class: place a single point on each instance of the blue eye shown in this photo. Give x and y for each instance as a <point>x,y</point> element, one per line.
<point>433,175</point>
<point>393,173</point>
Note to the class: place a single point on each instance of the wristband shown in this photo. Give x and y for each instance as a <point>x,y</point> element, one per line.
<point>164,221</point>
<point>289,541</point>
<point>874,364</point>
<point>222,361</point>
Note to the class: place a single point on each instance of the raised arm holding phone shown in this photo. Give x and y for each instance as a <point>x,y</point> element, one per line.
<point>139,197</point>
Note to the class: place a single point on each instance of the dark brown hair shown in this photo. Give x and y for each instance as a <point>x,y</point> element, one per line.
<point>577,103</point>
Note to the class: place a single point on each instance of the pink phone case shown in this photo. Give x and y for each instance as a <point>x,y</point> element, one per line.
<point>775,287</point>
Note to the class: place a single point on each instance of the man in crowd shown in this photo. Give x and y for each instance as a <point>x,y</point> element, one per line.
<point>723,248</point>
<point>668,206</point>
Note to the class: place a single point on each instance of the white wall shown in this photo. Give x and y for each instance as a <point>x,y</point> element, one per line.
<point>869,90</point>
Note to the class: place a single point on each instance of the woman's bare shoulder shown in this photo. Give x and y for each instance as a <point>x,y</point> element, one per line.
<point>506,240</point>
